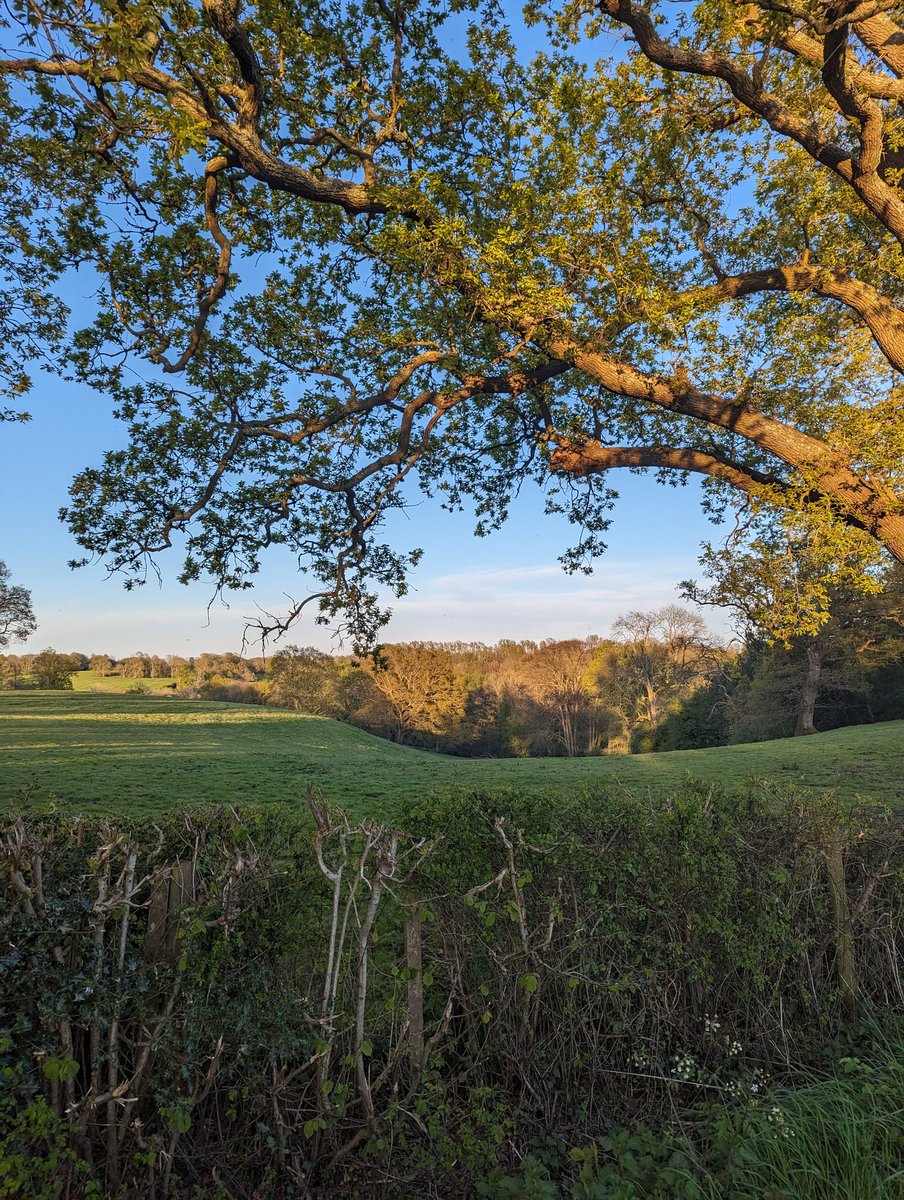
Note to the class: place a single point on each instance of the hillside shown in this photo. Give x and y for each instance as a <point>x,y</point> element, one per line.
<point>141,754</point>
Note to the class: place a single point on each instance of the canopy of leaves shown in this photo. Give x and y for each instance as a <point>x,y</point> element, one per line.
<point>349,250</point>
<point>17,618</point>
<point>52,670</point>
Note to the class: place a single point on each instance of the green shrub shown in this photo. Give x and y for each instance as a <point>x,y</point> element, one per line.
<point>37,1158</point>
<point>839,1136</point>
<point>229,1000</point>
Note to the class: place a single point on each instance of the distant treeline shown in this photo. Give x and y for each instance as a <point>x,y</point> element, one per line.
<point>661,682</point>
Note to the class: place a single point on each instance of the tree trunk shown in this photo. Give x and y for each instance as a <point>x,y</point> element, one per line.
<point>811,688</point>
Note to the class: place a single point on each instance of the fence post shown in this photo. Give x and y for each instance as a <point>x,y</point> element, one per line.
<point>414,963</point>
<point>845,959</point>
<point>172,892</point>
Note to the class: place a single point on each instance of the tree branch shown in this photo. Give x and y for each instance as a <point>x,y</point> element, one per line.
<point>853,104</point>
<point>218,287</point>
<point>882,201</point>
<point>224,18</point>
<point>870,83</point>
<point>884,320</point>
<point>581,458</point>
<point>356,199</point>
<point>883,37</point>
<point>826,471</point>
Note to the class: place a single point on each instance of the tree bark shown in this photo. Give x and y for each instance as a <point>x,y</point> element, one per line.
<point>805,714</point>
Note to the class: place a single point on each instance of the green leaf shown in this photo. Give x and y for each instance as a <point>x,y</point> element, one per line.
<point>63,1069</point>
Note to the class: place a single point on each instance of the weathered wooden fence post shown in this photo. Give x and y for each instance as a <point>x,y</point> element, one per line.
<point>172,892</point>
<point>414,963</point>
<point>845,958</point>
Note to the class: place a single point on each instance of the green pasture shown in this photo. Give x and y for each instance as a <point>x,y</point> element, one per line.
<point>91,681</point>
<point>140,754</point>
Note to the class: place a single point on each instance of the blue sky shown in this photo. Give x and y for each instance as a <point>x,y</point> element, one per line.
<point>466,588</point>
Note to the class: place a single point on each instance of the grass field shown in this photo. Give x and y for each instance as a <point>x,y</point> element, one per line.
<point>90,681</point>
<point>141,754</point>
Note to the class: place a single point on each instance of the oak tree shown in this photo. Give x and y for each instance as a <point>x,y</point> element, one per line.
<point>424,695</point>
<point>834,617</point>
<point>17,618</point>
<point>348,250</point>
<point>52,670</point>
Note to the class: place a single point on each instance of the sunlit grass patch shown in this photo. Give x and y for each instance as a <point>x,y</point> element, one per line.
<point>91,681</point>
<point>146,753</point>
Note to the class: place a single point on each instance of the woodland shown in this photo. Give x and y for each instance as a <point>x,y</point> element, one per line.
<point>662,681</point>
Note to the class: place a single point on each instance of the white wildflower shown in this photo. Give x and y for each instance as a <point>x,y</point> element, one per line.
<point>684,1067</point>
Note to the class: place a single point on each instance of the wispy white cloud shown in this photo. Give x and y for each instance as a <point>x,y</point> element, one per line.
<point>533,602</point>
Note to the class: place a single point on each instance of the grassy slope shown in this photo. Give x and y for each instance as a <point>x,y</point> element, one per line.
<point>141,754</point>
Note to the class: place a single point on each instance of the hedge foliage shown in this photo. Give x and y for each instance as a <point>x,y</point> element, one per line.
<point>252,1003</point>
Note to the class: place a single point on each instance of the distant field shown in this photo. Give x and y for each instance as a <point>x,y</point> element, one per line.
<point>141,754</point>
<point>90,681</point>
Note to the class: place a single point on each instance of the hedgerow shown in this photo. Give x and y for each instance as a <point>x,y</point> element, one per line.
<point>251,1002</point>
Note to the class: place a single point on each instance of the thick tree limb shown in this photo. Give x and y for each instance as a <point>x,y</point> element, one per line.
<point>824,470</point>
<point>882,201</point>
<point>836,75</point>
<point>580,458</point>
<point>884,320</point>
<point>224,17</point>
<point>61,68</point>
<point>884,38</point>
<point>870,83</point>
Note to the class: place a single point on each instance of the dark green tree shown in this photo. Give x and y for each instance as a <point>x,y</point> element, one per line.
<point>17,618</point>
<point>52,670</point>
<point>856,624</point>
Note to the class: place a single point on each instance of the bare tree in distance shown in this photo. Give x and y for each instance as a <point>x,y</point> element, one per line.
<point>659,658</point>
